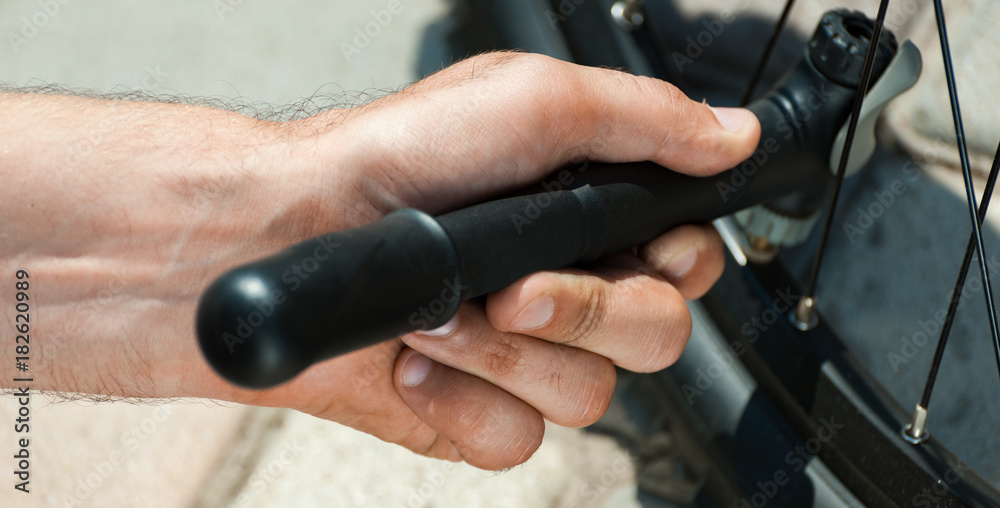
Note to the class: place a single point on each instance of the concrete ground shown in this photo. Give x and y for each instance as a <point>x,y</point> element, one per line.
<point>201,453</point>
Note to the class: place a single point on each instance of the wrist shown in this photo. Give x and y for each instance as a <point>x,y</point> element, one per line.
<point>123,212</point>
<point>298,181</point>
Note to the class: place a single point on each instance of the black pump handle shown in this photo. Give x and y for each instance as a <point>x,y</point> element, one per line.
<point>261,324</point>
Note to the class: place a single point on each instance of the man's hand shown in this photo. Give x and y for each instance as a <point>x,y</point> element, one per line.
<point>124,212</point>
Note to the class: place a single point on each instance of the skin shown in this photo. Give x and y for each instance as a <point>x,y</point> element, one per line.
<point>123,212</point>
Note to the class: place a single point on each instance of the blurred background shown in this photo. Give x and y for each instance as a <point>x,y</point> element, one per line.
<point>261,56</point>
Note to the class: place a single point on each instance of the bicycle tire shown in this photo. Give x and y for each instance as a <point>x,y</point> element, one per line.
<point>784,386</point>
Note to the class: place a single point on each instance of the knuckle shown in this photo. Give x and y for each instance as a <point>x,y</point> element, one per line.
<point>530,61</point>
<point>534,92</point>
<point>441,448</point>
<point>674,105</point>
<point>485,61</point>
<point>531,71</point>
<point>508,67</point>
<point>586,321</point>
<point>673,98</point>
<point>524,70</point>
<point>502,356</point>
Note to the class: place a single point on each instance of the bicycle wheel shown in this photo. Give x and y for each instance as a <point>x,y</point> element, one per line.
<point>758,412</point>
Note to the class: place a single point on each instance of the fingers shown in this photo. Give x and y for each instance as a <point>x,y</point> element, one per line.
<point>636,319</point>
<point>689,257</point>
<point>490,428</point>
<point>569,386</point>
<point>545,347</point>
<point>499,121</point>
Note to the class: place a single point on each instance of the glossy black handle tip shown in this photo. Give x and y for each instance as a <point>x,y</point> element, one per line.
<point>262,324</point>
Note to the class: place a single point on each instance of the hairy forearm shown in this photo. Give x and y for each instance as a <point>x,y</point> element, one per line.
<point>122,212</point>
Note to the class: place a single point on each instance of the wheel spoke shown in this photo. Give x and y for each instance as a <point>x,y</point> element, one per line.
<point>956,295</point>
<point>967,175</point>
<point>804,314</point>
<point>915,431</point>
<point>762,63</point>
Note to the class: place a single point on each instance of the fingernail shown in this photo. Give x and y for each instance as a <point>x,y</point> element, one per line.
<point>682,262</point>
<point>732,119</point>
<point>416,370</point>
<point>534,315</point>
<point>442,330</point>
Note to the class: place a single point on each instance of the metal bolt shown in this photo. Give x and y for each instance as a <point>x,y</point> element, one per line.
<point>804,317</point>
<point>760,250</point>
<point>915,432</point>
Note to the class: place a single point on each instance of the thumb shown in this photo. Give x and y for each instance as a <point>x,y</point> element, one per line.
<point>499,121</point>
<point>488,427</point>
<point>642,118</point>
